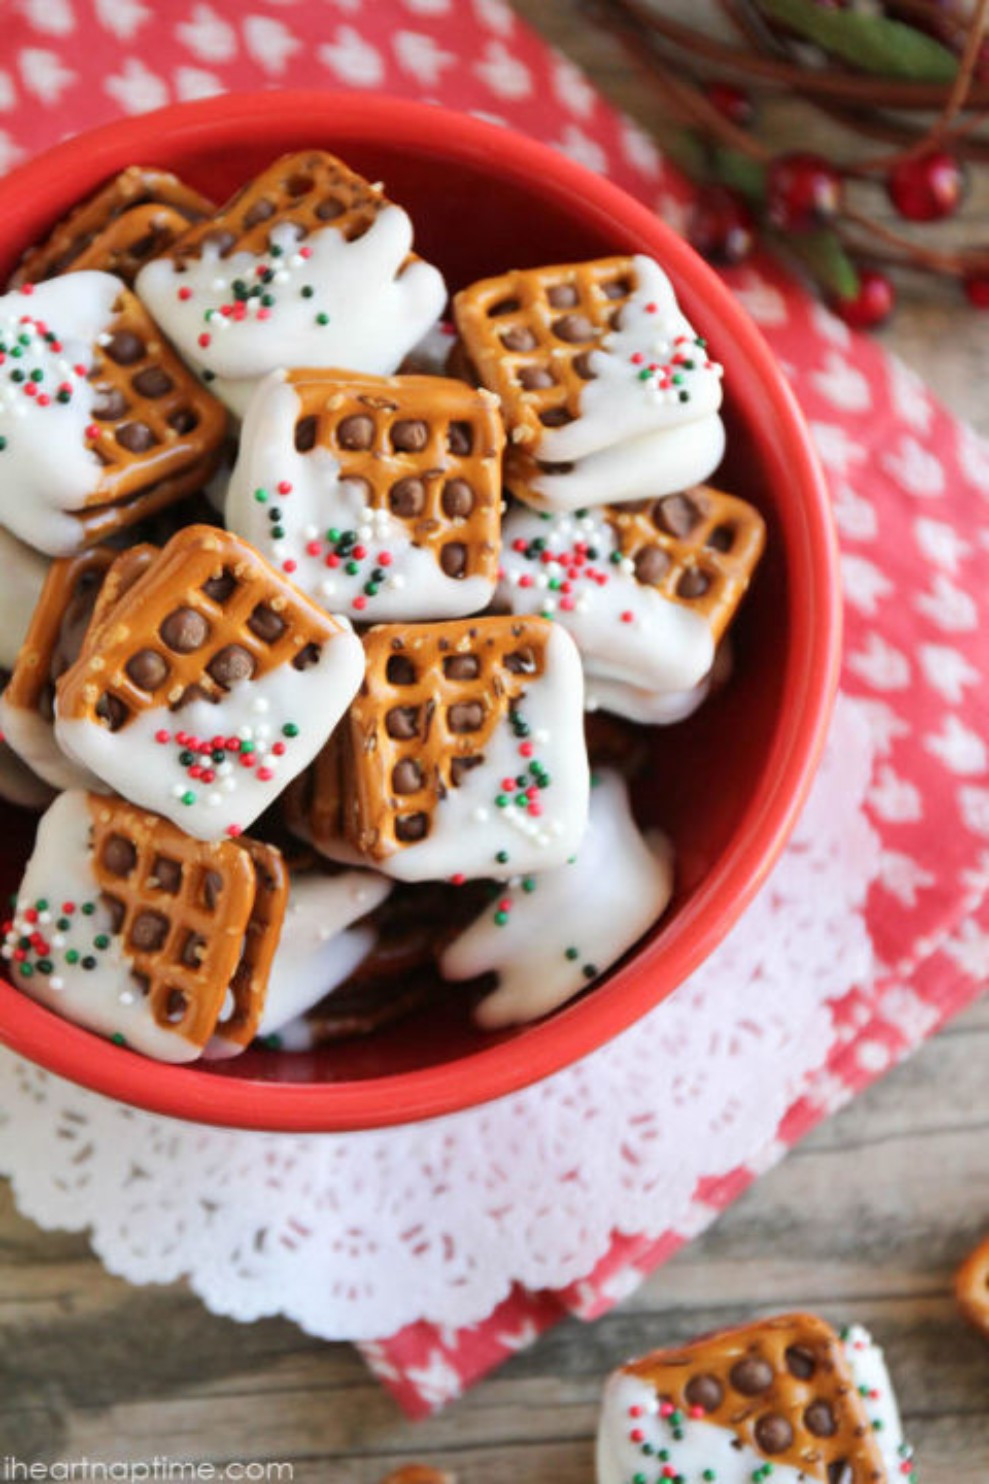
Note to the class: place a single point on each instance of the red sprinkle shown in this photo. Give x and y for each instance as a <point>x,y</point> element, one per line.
<point>458,878</point>
<point>535,810</point>
<point>68,908</point>
<point>637,1435</point>
<point>265,774</point>
<point>628,617</point>
<point>635,1411</point>
<point>233,830</point>
<point>526,749</point>
<point>333,560</point>
<point>360,602</point>
<point>313,548</point>
<point>205,339</point>
<point>288,566</point>
<point>184,294</point>
<point>278,748</point>
<point>247,760</point>
<point>666,1409</point>
<point>651,308</point>
<point>384,558</point>
<point>508,784</point>
<point>284,488</point>
<point>92,431</point>
<point>360,552</point>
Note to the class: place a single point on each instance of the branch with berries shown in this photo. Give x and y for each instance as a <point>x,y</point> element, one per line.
<point>907,81</point>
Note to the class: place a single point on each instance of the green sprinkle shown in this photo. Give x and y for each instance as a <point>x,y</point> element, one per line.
<point>187,759</point>
<point>63,924</point>
<point>502,801</point>
<point>247,747</point>
<point>371,588</point>
<point>24,338</point>
<point>322,318</point>
<point>261,496</point>
<point>501,918</point>
<point>218,756</point>
<point>502,857</point>
<point>267,300</point>
<point>275,250</point>
<point>644,374</point>
<point>528,883</point>
<point>101,941</point>
<point>353,568</point>
<point>591,971</point>
<point>272,1042</point>
<point>290,729</point>
<point>709,1476</point>
<point>877,1426</point>
<point>3,444</point>
<point>27,970</point>
<point>17,376</point>
<point>684,396</point>
<point>72,957</point>
<point>63,396</point>
<point>333,534</point>
<point>521,800</point>
<point>677,379</point>
<point>572,954</point>
<point>88,908</point>
<point>89,962</point>
<point>45,966</point>
<point>307,291</point>
<point>277,533</point>
<point>663,1455</point>
<point>648,1449</point>
<point>118,1039</point>
<point>37,375</point>
<point>209,375</point>
<point>42,904</point>
<point>188,797</point>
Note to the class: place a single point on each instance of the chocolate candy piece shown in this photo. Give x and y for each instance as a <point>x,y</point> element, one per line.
<point>563,295</point>
<point>751,1376</point>
<point>230,664</point>
<point>519,338</point>
<point>356,433</point>
<point>462,667</point>
<point>453,559</point>
<point>266,623</point>
<point>125,347</point>
<point>185,630</point>
<point>705,1391</point>
<point>458,498</point>
<point>411,827</point>
<point>466,716</point>
<point>573,328</point>
<point>147,669</point>
<point>152,382</point>
<point>406,776</point>
<point>148,931</point>
<point>402,722</point>
<point>408,496</point>
<point>136,437</point>
<point>651,563</point>
<point>800,1362</point>
<point>820,1419</point>
<point>410,435</point>
<point>677,514</point>
<point>774,1433</point>
<point>119,855</point>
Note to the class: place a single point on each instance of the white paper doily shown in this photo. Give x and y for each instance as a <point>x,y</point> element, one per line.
<point>355,1236</point>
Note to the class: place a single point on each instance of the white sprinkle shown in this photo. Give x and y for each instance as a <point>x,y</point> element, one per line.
<point>542,735</point>
<point>178,790</point>
<point>126,997</point>
<point>481,814</point>
<point>261,705</point>
<point>58,941</point>
<point>311,532</point>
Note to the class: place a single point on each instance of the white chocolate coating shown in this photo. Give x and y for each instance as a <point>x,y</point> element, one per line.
<point>18,785</point>
<point>626,631</point>
<point>652,373</point>
<point>33,739</point>
<point>149,772</point>
<point>648,708</point>
<point>583,914</point>
<point>105,998</point>
<point>644,468</point>
<point>468,827</point>
<point>868,1365</point>
<point>22,575</point>
<point>46,468</point>
<point>375,317</point>
<point>412,584</point>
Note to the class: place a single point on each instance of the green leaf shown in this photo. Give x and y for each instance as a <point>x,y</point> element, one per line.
<point>871,43</point>
<point>825,258</point>
<point>745,175</point>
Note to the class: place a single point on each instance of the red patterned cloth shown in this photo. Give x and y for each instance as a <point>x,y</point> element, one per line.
<point>911,496</point>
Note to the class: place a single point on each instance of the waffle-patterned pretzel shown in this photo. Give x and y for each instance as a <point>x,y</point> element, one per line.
<point>784,1387</point>
<point>425,448</point>
<point>698,548</point>
<point>124,570</point>
<point>312,805</point>
<point>108,230</point>
<point>972,1288</point>
<point>432,696</point>
<point>207,613</point>
<point>154,426</point>
<point>528,333</point>
<point>312,190</point>
<point>181,906</point>
<point>57,630</point>
<point>250,979</point>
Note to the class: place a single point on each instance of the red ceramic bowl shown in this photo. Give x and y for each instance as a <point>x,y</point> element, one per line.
<point>727,784</point>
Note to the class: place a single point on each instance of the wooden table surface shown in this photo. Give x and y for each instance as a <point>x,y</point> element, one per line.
<point>866,1220</point>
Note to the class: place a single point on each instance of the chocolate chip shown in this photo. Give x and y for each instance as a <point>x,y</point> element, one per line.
<point>176,1004</point>
<point>410,435</point>
<point>220,587</point>
<point>582,366</point>
<point>705,1391</point>
<point>520,662</point>
<point>232,663</point>
<point>259,212</point>
<point>800,1362</point>
<point>462,667</point>
<point>329,209</point>
<point>519,338</point>
<point>820,1419</point>
<point>563,295</point>
<point>400,670</point>
<point>111,710</point>
<point>693,584</point>
<point>147,669</point>
<point>677,514</point>
<point>651,563</point>
<point>453,559</point>
<point>617,288</point>
<point>184,630</point>
<point>402,722</point>
<point>299,184</point>
<point>533,377</point>
<point>460,767</point>
<point>305,434</point>
<point>460,439</point>
<point>115,909</point>
<point>773,1433</point>
<point>136,437</point>
<point>555,417</point>
<point>168,874</point>
<point>411,827</point>
<point>503,306</point>
<point>457,499</point>
<point>266,623</point>
<point>152,382</point>
<point>406,776</point>
<point>309,655</point>
<point>407,496</point>
<point>110,404</point>
<point>722,538</point>
<point>125,347</point>
<point>119,855</point>
<point>148,931</point>
<point>840,1472</point>
<point>183,420</point>
<point>751,1375</point>
<point>212,887</point>
<point>573,328</point>
<point>221,238</point>
<point>356,432</point>
<point>466,716</point>
<point>190,694</point>
<point>193,950</point>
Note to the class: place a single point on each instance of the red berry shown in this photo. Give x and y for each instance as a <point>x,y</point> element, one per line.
<point>732,103</point>
<point>803,191</point>
<point>721,226</point>
<point>871,306</point>
<point>926,187</point>
<point>977,290</point>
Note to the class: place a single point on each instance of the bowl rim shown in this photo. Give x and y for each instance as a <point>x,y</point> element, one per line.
<point>805,704</point>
